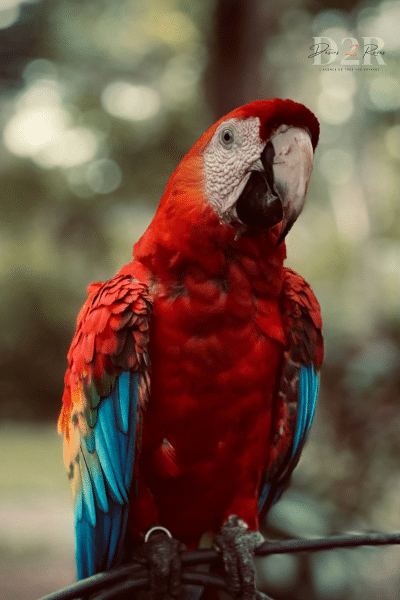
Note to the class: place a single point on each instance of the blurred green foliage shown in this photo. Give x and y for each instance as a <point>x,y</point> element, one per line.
<point>99,101</point>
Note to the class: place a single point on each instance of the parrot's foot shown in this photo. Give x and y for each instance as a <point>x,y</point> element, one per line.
<point>237,545</point>
<point>161,554</point>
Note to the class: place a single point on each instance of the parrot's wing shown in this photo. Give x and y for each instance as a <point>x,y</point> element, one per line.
<point>106,389</point>
<point>297,392</point>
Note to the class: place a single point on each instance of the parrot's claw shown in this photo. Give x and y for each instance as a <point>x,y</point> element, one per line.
<point>161,554</point>
<point>237,545</point>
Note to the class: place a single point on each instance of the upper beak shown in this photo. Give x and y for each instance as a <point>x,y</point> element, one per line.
<point>276,190</point>
<point>291,167</point>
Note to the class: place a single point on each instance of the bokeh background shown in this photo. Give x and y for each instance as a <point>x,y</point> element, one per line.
<point>99,100</point>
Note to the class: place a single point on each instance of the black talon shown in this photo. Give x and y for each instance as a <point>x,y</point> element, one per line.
<point>161,554</point>
<point>237,545</point>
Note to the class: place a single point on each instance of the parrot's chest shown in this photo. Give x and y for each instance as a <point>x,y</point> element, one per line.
<point>212,343</point>
<point>207,427</point>
<point>214,369</point>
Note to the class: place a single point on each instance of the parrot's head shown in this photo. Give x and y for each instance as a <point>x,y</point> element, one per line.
<point>258,162</point>
<point>248,173</point>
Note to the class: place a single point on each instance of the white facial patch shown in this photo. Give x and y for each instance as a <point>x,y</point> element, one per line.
<point>232,153</point>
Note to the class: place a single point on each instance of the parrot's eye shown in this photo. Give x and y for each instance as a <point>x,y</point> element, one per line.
<point>227,137</point>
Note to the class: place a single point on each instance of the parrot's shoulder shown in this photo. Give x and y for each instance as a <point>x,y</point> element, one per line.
<point>111,335</point>
<point>301,315</point>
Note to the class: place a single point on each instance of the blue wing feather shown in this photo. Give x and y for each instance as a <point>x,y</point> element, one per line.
<point>78,505</point>
<point>88,497</point>
<point>132,423</point>
<point>101,508</point>
<point>107,424</point>
<point>96,477</point>
<point>313,396</point>
<point>307,392</point>
<point>90,442</point>
<point>124,400</point>
<point>106,464</point>
<point>263,495</point>
<point>307,398</point>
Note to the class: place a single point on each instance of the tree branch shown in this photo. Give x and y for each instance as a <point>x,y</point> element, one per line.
<point>121,582</point>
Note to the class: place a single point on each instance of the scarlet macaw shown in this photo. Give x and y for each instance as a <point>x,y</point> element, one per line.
<point>192,377</point>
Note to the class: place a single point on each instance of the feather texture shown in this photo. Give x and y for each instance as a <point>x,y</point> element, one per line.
<point>100,525</point>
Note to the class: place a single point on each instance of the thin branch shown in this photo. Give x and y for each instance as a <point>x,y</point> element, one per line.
<point>335,541</point>
<point>96,582</point>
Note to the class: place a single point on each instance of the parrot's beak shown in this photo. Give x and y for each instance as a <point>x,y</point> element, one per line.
<point>292,165</point>
<point>276,190</point>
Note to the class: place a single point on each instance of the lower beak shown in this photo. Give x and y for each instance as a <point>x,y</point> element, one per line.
<point>277,191</point>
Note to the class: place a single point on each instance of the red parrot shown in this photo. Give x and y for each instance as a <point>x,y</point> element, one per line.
<point>192,377</point>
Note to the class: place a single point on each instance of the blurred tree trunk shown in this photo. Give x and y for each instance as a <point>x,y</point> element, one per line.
<point>237,44</point>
